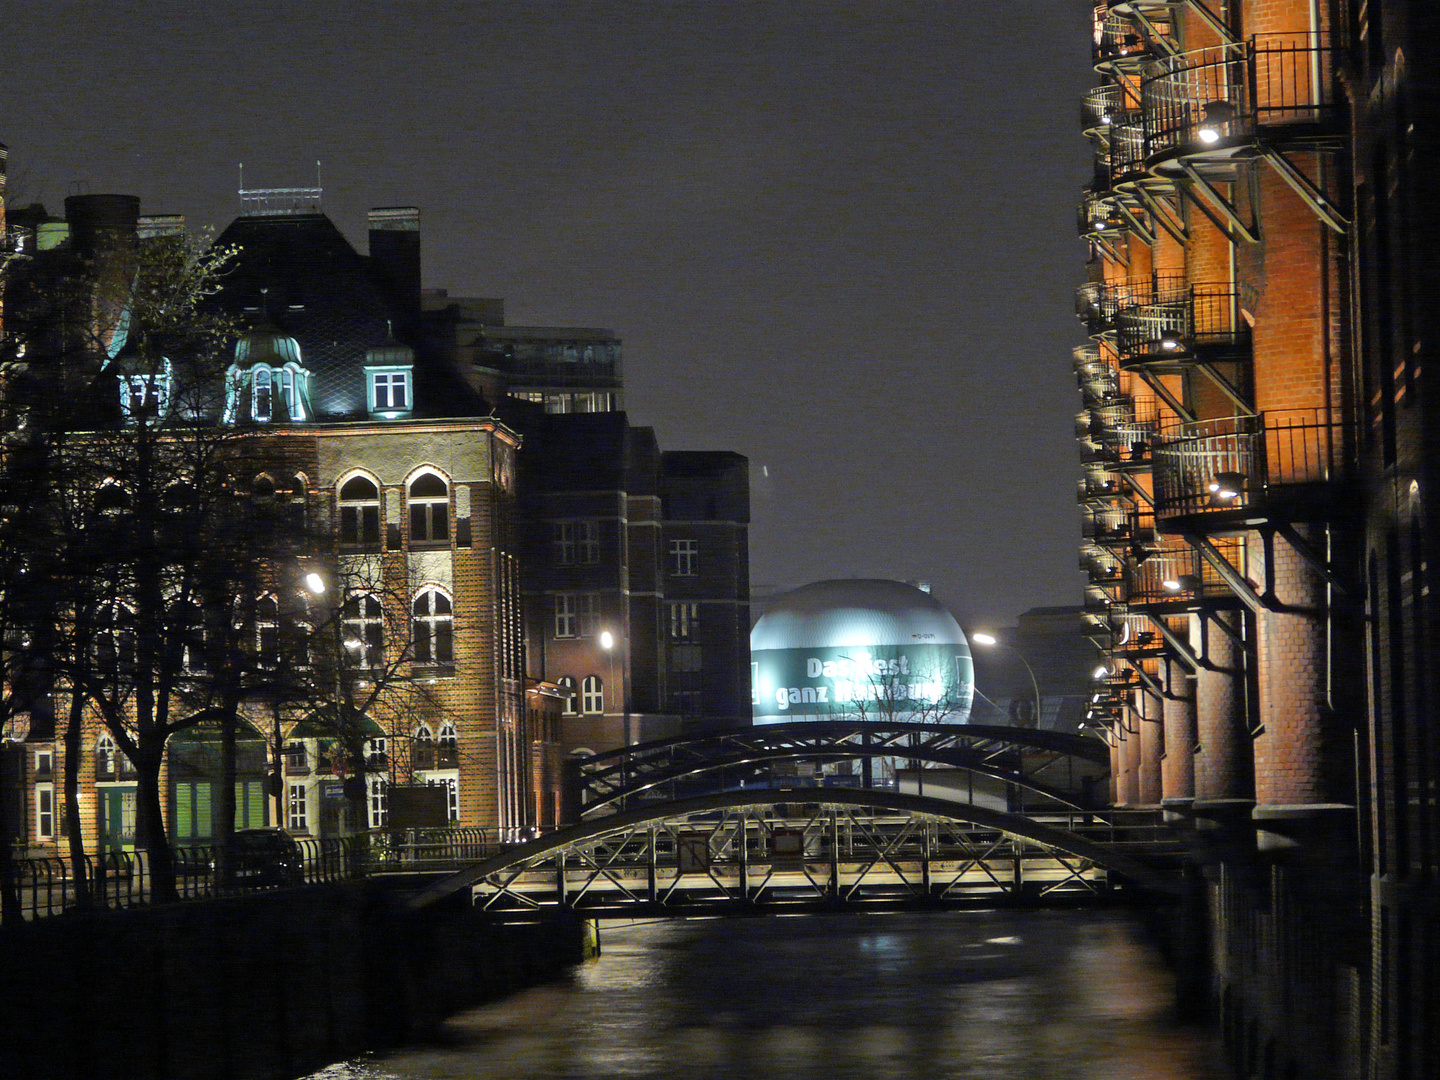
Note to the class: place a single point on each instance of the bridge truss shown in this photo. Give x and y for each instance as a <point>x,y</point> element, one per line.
<point>798,850</point>
<point>1033,768</point>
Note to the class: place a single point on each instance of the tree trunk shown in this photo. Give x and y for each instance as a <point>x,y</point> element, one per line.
<point>225,832</point>
<point>73,752</point>
<point>150,825</point>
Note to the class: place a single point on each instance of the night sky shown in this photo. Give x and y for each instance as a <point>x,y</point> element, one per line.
<point>836,238</point>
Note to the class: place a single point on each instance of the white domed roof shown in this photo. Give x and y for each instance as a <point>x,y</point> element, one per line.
<point>856,612</point>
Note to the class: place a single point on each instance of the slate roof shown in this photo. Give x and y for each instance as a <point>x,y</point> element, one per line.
<point>328,297</point>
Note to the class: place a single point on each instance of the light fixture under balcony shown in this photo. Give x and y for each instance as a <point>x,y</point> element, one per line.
<point>1227,486</point>
<point>1169,344</point>
<point>1181,583</point>
<point>1216,113</point>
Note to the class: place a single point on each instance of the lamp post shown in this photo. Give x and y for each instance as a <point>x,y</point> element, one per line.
<point>981,637</point>
<point>608,643</point>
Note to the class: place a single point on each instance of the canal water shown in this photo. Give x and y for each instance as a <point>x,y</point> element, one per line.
<point>1049,995</point>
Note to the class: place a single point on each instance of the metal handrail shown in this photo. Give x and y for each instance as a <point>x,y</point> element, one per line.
<point>1237,91</point>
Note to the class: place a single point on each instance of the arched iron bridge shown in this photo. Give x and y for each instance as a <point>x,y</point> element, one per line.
<point>724,825</point>
<point>1027,767</point>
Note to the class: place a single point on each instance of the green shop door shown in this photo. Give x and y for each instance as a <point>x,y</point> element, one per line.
<point>117,818</point>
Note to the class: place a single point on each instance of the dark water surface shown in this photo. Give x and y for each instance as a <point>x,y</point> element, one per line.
<point>1052,995</point>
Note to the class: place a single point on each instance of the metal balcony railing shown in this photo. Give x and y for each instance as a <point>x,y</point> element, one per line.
<point>1100,107</point>
<point>1244,462</point>
<point>1097,217</point>
<point>1175,572</point>
<point>1099,387</point>
<point>1178,318</point>
<point>1209,100</point>
<point>1124,151</point>
<point>1117,42</point>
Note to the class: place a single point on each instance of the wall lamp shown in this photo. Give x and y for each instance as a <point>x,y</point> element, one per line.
<point>1227,486</point>
<point>1181,583</point>
<point>1216,113</point>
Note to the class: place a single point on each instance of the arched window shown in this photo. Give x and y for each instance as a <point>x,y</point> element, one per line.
<point>111,499</point>
<point>447,746</point>
<point>422,749</point>
<point>432,634</point>
<point>267,631</point>
<point>260,394</point>
<point>592,695</point>
<point>114,648</point>
<point>567,684</point>
<point>359,512</point>
<point>422,734</point>
<point>263,487</point>
<point>110,763</point>
<point>429,509</point>
<point>363,629</point>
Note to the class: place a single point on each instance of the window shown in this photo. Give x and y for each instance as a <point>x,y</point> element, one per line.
<point>293,400</point>
<point>576,614</point>
<point>110,763</point>
<point>684,557</point>
<point>194,818</point>
<point>447,749</point>
<point>363,630</point>
<point>567,684</point>
<point>575,543</point>
<point>377,752</point>
<point>390,391</point>
<point>432,628</point>
<point>267,631</point>
<point>451,785</point>
<point>143,395</point>
<point>422,749</point>
<point>298,818</point>
<point>592,694</point>
<point>44,762</point>
<point>379,802</point>
<point>44,811</point>
<point>429,509</point>
<point>359,512</point>
<point>295,757</point>
<point>684,621</point>
<point>260,394</point>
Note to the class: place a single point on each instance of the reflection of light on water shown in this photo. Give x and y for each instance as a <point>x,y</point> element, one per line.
<point>1076,995</point>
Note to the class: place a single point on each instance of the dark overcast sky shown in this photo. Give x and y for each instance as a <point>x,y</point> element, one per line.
<point>837,238</point>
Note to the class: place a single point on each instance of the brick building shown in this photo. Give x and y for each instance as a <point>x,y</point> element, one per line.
<point>1257,439</point>
<point>391,421</point>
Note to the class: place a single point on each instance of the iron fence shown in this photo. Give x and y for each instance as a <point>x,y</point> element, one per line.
<point>1178,318</point>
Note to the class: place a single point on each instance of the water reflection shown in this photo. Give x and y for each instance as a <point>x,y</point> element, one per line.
<point>1059,996</point>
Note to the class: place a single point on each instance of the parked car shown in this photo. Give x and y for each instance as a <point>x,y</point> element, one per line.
<point>266,857</point>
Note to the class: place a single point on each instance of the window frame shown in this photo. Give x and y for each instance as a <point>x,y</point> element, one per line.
<point>359,625</point>
<point>684,557</point>
<point>684,620</point>
<point>441,628</point>
<point>431,512</point>
<point>401,377</point>
<point>297,807</point>
<point>358,519</point>
<point>45,811</point>
<point>572,695</point>
<point>592,696</point>
<point>575,542</point>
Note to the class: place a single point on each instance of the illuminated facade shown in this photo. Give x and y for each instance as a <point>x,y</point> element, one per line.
<point>1259,442</point>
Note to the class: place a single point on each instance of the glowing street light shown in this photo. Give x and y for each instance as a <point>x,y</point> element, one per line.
<point>982,637</point>
<point>315,583</point>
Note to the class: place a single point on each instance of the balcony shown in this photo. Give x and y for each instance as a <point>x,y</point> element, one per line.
<point>1237,471</point>
<point>1100,489</point>
<point>1205,105</point>
<point>1173,575</point>
<point>1174,322</point>
<point>1102,106</point>
<point>1117,42</point>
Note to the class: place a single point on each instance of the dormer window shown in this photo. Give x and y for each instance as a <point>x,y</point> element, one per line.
<point>389,391</point>
<point>260,399</point>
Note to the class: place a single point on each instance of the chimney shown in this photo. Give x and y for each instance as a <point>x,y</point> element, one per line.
<point>395,252</point>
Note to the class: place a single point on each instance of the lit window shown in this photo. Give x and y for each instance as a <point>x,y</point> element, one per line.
<point>379,802</point>
<point>260,394</point>
<point>363,631</point>
<point>567,684</point>
<point>390,390</point>
<point>432,628</point>
<point>299,817</point>
<point>592,695</point>
<point>295,757</point>
<point>575,543</point>
<point>376,752</point>
<point>144,395</point>
<point>287,395</point>
<point>359,512</point>
<point>447,746</point>
<point>684,557</point>
<point>429,509</point>
<point>44,811</point>
<point>684,620</point>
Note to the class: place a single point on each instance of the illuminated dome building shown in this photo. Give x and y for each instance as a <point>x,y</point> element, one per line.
<point>860,649</point>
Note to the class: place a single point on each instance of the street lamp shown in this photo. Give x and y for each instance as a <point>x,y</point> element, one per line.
<point>608,641</point>
<point>980,637</point>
